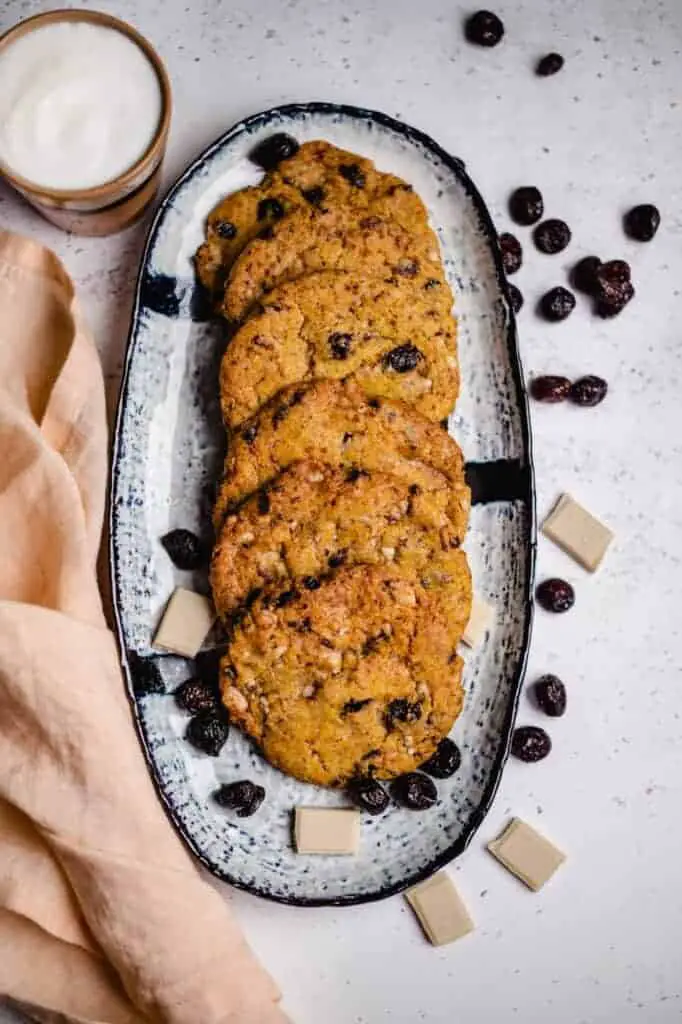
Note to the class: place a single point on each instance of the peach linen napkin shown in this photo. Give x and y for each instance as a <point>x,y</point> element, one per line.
<point>103,915</point>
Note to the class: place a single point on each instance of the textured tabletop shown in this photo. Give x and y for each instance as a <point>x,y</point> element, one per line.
<point>601,944</point>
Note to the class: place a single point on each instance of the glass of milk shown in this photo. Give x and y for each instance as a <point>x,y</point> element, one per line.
<point>85,106</point>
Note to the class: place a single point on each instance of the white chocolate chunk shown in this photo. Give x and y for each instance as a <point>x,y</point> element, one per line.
<point>479,622</point>
<point>577,532</point>
<point>327,830</point>
<point>186,621</point>
<point>440,909</point>
<point>527,854</point>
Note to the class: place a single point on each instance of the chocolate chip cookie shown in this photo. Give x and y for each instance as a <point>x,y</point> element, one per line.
<point>394,337</point>
<point>388,238</point>
<point>356,677</point>
<point>335,423</point>
<point>313,518</point>
<point>317,175</point>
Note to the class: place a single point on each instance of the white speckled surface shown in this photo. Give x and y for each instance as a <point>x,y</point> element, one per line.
<point>602,943</point>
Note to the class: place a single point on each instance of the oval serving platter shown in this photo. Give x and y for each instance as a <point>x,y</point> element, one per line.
<point>168,452</point>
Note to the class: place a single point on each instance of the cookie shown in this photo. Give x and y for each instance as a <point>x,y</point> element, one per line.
<point>313,518</point>
<point>355,678</point>
<point>335,423</point>
<point>390,237</point>
<point>316,175</point>
<point>394,338</point>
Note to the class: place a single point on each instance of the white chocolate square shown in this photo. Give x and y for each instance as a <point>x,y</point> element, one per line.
<point>577,532</point>
<point>330,830</point>
<point>479,623</point>
<point>186,621</point>
<point>527,854</point>
<point>440,910</point>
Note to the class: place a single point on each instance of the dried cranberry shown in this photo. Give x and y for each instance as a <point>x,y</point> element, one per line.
<point>607,308</point>
<point>407,268</point>
<point>549,65</point>
<point>185,549</point>
<point>270,209</point>
<point>244,797</point>
<point>311,583</point>
<point>368,795</point>
<point>340,345</point>
<point>314,196</point>
<point>515,297</point>
<point>352,174</point>
<point>550,389</point>
<point>530,743</point>
<point>403,358</point>
<point>402,710</point>
<point>552,236</point>
<point>285,598</point>
<point>555,595</point>
<point>445,761</point>
<point>484,28</point>
<point>557,304</point>
<point>338,558</point>
<point>512,254</point>
<point>271,151</point>
<point>194,696</point>
<point>225,229</point>
<point>642,222</point>
<point>584,274</point>
<point>526,205</point>
<point>550,694</point>
<point>250,432</point>
<point>208,731</point>
<point>432,282</point>
<point>588,390</point>
<point>145,675</point>
<point>415,791</point>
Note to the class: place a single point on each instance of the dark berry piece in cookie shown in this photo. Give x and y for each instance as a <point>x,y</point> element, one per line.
<point>368,794</point>
<point>549,65</point>
<point>207,666</point>
<point>270,209</point>
<point>272,150</point>
<point>194,696</point>
<point>145,675</point>
<point>530,743</point>
<point>526,205</point>
<point>352,174</point>
<point>208,732</point>
<point>557,304</point>
<point>555,595</point>
<point>185,549</point>
<point>584,274</point>
<point>589,390</point>
<point>445,761</point>
<point>402,710</point>
<point>225,229</point>
<point>244,797</point>
<point>403,358</point>
<point>552,236</point>
<point>515,297</point>
<point>642,222</point>
<point>550,388</point>
<point>550,695</point>
<point>351,707</point>
<point>512,254</point>
<point>314,196</point>
<point>416,791</point>
<point>340,344</point>
<point>407,268</point>
<point>484,29</point>
<point>285,598</point>
<point>311,583</point>
<point>250,432</point>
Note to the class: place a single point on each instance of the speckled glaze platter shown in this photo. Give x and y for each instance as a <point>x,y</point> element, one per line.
<point>168,451</point>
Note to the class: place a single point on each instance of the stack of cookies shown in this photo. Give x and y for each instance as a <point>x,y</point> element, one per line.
<point>337,569</point>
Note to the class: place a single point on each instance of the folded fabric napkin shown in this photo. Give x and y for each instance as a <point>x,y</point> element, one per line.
<point>103,916</point>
